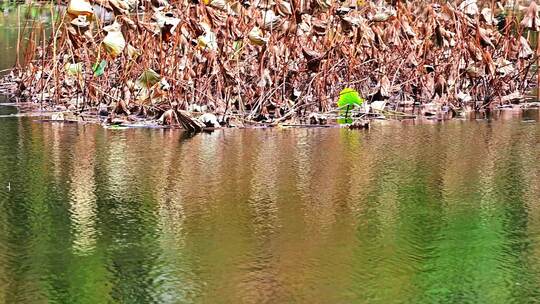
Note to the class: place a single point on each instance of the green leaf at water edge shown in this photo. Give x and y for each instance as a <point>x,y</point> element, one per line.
<point>99,69</point>
<point>349,97</point>
<point>344,121</point>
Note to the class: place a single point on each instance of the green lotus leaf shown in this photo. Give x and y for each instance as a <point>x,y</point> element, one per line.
<point>99,69</point>
<point>349,97</point>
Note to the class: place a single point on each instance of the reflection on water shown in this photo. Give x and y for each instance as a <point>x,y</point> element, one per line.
<point>17,20</point>
<point>416,214</point>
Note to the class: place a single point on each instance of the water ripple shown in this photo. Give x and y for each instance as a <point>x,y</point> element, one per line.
<point>397,214</point>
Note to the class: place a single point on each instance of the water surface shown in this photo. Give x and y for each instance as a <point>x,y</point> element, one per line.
<point>18,21</point>
<point>445,213</point>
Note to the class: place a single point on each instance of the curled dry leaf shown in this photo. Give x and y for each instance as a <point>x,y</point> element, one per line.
<point>114,42</point>
<point>256,37</point>
<point>264,4</point>
<point>324,4</point>
<point>220,5</point>
<point>319,27</point>
<point>525,50</point>
<point>407,29</point>
<point>270,20</point>
<point>504,67</point>
<point>284,8</point>
<point>125,20</point>
<point>167,24</point>
<point>464,97</point>
<point>488,17</point>
<point>484,37</point>
<point>531,20</point>
<point>74,69</point>
<point>80,7</point>
<point>383,15</point>
<point>208,40</point>
<point>80,22</point>
<point>475,51</point>
<point>313,58</point>
<point>469,7</point>
<point>120,6</point>
<point>132,52</point>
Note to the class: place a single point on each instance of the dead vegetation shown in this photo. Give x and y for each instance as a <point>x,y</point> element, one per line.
<point>276,61</point>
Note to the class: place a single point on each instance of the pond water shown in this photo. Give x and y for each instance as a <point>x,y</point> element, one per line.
<point>17,20</point>
<point>446,213</point>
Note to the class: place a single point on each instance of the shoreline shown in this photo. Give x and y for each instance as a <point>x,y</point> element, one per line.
<point>128,122</point>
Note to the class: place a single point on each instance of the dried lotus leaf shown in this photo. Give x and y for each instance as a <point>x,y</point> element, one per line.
<point>166,20</point>
<point>265,4</point>
<point>74,69</point>
<point>324,4</point>
<point>319,27</point>
<point>80,22</point>
<point>236,8</point>
<point>531,19</point>
<point>208,40</point>
<point>380,17</point>
<point>114,42</point>
<point>148,79</point>
<point>121,6</point>
<point>525,50</point>
<point>218,4</point>
<point>80,7</point>
<point>284,8</point>
<point>132,52</point>
<point>469,7</point>
<point>270,20</point>
<point>256,37</point>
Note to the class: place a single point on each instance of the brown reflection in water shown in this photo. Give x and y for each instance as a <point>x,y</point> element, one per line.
<point>82,191</point>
